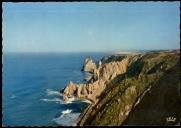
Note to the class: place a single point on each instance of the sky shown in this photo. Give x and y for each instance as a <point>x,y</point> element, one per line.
<point>90,26</point>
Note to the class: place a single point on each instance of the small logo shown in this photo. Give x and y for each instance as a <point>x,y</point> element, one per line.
<point>171,119</point>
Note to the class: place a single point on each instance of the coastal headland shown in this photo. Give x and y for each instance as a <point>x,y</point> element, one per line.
<point>130,89</point>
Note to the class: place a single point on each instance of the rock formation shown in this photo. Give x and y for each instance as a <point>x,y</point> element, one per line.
<point>89,65</point>
<point>100,76</point>
<point>119,83</point>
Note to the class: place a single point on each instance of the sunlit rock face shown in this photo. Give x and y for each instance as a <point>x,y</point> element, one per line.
<point>89,65</point>
<point>120,83</point>
<point>135,87</point>
<point>110,70</point>
<point>100,76</point>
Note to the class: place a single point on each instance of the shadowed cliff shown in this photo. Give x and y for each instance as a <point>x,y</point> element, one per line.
<point>160,103</point>
<point>137,89</point>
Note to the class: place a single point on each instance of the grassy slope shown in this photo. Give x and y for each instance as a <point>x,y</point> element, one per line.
<point>144,72</point>
<point>161,102</point>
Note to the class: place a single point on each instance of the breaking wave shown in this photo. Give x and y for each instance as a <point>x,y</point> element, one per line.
<point>57,100</point>
<point>66,111</point>
<point>67,118</point>
<point>60,100</point>
<point>70,100</point>
<point>53,92</point>
<point>87,101</point>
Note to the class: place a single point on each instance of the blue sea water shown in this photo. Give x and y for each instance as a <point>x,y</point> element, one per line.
<point>31,83</point>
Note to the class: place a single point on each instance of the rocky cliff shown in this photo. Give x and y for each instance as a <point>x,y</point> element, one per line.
<point>101,75</point>
<point>89,65</point>
<point>119,84</point>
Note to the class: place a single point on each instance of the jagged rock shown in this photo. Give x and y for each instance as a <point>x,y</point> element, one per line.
<point>70,89</point>
<point>96,83</point>
<point>112,69</point>
<point>131,88</point>
<point>126,90</point>
<point>89,65</point>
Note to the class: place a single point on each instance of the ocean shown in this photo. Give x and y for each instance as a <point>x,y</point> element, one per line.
<point>31,85</point>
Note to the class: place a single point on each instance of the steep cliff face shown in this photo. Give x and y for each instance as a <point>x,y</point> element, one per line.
<point>100,76</point>
<point>110,70</point>
<point>121,83</point>
<point>160,103</point>
<point>125,92</point>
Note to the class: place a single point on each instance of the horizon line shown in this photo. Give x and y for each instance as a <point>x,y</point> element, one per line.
<point>121,50</point>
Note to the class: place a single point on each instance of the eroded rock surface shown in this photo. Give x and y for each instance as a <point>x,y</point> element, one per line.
<point>118,86</point>
<point>100,76</point>
<point>89,65</point>
<point>127,92</point>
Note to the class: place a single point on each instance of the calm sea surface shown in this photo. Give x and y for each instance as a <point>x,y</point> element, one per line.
<point>30,88</point>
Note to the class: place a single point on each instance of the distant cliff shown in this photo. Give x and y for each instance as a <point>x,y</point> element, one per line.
<point>120,83</point>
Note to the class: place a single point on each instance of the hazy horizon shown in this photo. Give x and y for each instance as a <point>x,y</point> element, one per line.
<point>58,27</point>
<point>69,52</point>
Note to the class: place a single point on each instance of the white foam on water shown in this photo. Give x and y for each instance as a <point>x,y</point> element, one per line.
<point>53,92</point>
<point>67,111</point>
<point>64,112</point>
<point>87,101</point>
<point>60,100</point>
<point>66,119</point>
<point>71,99</point>
<point>57,100</point>
<point>13,96</point>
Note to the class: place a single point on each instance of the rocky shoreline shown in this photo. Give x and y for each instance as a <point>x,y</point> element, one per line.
<point>117,83</point>
<point>101,73</point>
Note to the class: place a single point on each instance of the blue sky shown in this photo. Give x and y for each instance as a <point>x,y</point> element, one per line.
<point>90,26</point>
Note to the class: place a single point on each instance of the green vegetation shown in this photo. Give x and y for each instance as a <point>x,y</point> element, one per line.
<point>146,71</point>
<point>112,58</point>
<point>135,68</point>
<point>161,103</point>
